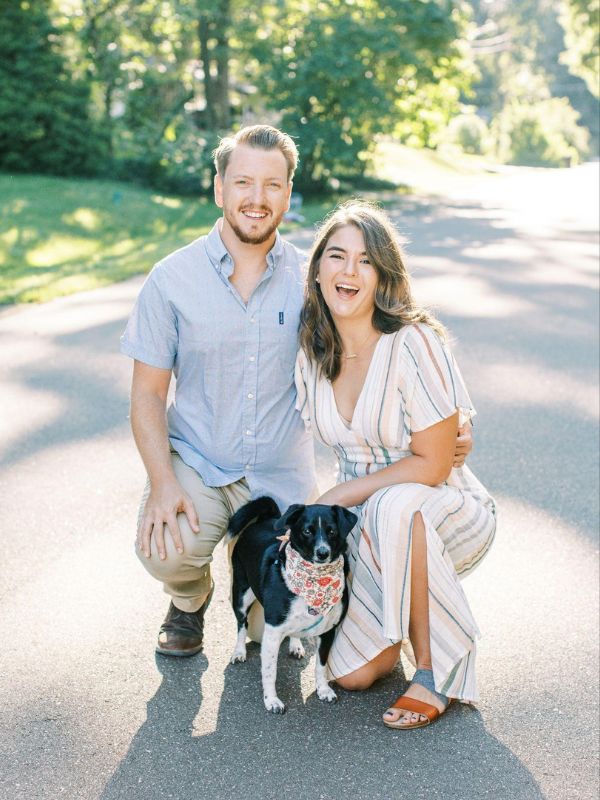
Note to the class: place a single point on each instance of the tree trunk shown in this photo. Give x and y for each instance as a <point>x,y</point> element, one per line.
<point>204,26</point>
<point>222,21</point>
<point>214,56</point>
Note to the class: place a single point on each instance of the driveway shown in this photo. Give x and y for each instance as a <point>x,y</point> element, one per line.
<point>88,711</point>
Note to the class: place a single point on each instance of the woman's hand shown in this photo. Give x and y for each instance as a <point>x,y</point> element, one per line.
<point>464,444</point>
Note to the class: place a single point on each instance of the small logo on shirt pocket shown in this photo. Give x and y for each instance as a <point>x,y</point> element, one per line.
<point>281,318</point>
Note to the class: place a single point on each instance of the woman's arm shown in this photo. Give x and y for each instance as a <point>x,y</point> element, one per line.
<point>430,464</point>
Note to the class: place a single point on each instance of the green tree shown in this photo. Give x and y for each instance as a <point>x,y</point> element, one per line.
<point>581,21</point>
<point>337,74</point>
<point>44,114</point>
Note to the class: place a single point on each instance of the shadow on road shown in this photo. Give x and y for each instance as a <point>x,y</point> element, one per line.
<point>349,753</point>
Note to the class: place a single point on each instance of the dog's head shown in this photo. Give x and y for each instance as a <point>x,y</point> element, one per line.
<point>317,532</point>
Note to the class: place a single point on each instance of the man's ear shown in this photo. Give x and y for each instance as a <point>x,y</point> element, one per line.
<point>218,188</point>
<point>345,519</point>
<point>289,517</point>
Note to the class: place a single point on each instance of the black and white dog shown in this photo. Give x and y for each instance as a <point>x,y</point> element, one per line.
<point>300,579</point>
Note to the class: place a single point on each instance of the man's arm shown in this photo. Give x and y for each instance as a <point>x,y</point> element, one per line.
<point>167,498</point>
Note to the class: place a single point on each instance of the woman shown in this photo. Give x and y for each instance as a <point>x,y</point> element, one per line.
<point>377,383</point>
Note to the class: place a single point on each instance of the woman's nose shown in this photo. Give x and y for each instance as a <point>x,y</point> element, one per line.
<point>350,266</point>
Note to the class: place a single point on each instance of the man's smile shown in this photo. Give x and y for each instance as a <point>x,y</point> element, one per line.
<point>252,214</point>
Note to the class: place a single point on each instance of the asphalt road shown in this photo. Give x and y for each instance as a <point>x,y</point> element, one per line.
<point>88,711</point>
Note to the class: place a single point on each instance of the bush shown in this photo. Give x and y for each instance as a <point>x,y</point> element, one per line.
<point>181,162</point>
<point>44,119</point>
<point>470,133</point>
<point>545,134</point>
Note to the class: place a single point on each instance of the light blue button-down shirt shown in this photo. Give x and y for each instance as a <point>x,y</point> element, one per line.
<point>233,413</point>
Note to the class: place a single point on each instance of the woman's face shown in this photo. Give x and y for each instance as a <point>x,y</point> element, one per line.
<point>347,278</point>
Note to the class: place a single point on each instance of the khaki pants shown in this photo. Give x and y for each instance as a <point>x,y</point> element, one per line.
<point>186,576</point>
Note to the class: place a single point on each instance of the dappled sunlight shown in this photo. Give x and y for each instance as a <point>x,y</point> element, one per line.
<point>86,218</point>
<point>531,384</point>
<point>168,202</point>
<point>60,247</point>
<point>27,410</point>
<point>468,295</point>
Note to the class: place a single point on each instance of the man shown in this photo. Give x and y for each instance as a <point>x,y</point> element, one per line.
<point>221,314</point>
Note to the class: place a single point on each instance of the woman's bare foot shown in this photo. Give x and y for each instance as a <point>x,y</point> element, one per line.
<point>410,717</point>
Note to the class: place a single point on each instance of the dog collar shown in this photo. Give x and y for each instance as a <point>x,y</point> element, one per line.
<point>320,585</point>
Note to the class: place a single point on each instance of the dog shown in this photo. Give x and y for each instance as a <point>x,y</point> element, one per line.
<point>299,578</point>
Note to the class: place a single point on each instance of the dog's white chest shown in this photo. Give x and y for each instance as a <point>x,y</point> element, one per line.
<point>302,624</point>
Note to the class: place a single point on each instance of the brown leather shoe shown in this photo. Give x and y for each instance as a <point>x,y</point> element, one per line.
<point>182,632</point>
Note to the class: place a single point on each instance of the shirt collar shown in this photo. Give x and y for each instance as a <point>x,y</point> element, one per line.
<point>223,262</point>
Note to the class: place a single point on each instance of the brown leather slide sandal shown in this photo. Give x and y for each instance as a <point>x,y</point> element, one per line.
<point>418,707</point>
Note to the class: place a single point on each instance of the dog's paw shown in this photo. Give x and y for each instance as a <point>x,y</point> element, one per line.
<point>238,656</point>
<point>274,705</point>
<point>296,650</point>
<point>326,693</point>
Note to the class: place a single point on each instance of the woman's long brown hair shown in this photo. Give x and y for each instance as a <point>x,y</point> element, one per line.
<point>394,304</point>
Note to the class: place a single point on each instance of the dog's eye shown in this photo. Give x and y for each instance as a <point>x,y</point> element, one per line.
<point>330,530</point>
<point>309,531</point>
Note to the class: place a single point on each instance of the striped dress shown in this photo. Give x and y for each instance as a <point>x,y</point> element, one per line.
<point>412,383</point>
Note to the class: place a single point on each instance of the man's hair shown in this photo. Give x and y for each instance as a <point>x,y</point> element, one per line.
<point>261,136</point>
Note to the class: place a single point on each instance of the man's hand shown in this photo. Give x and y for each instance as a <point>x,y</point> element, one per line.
<point>164,503</point>
<point>464,444</point>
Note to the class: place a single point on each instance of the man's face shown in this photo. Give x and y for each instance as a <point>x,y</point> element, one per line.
<point>254,193</point>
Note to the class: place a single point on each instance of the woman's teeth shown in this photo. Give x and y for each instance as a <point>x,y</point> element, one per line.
<point>345,290</point>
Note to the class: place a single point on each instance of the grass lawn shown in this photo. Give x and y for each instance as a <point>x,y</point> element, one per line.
<point>59,236</point>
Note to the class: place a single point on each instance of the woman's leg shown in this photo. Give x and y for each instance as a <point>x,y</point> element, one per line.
<point>385,662</point>
<point>419,624</point>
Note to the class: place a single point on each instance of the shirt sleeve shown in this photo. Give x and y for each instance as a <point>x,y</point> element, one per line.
<point>301,381</point>
<point>430,382</point>
<point>151,332</point>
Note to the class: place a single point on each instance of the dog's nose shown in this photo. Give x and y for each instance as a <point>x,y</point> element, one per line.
<point>323,553</point>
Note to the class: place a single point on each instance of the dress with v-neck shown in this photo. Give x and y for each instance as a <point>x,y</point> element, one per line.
<point>411,384</point>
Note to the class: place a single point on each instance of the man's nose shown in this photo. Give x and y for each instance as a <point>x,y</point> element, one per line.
<point>258,194</point>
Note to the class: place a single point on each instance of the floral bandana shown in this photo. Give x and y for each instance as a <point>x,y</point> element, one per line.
<point>321,585</point>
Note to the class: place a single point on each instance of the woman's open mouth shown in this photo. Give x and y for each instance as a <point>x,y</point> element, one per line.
<point>346,291</point>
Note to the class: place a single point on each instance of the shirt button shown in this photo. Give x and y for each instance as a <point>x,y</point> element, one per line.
<point>251,358</point>
<point>248,433</point>
<point>250,395</point>
<point>251,319</point>
<point>247,466</point>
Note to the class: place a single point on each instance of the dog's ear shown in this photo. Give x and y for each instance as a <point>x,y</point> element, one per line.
<point>345,519</point>
<point>289,517</point>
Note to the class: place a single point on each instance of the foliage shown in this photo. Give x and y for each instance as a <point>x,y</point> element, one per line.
<point>581,21</point>
<point>517,47</point>
<point>469,132</point>
<point>44,120</point>
<point>344,72</point>
<point>543,134</point>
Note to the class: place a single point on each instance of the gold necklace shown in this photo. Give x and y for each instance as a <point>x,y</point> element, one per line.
<point>360,349</point>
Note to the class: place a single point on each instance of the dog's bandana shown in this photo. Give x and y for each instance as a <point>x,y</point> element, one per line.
<point>321,585</point>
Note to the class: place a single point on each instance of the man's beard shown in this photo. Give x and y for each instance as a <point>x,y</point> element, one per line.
<point>257,238</point>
